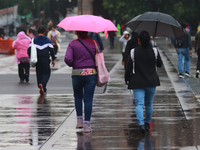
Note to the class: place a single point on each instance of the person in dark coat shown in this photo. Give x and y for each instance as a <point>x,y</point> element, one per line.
<point>132,43</point>
<point>96,37</point>
<point>44,50</point>
<point>2,33</point>
<point>112,35</point>
<point>141,76</point>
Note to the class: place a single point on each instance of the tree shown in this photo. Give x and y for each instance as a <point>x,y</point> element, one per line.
<point>181,10</point>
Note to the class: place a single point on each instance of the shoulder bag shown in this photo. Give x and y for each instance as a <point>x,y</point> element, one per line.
<point>103,75</point>
<point>33,54</point>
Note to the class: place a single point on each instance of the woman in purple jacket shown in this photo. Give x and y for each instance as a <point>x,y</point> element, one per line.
<point>84,76</point>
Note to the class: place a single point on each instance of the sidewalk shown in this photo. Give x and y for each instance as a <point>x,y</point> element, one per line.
<point>175,123</point>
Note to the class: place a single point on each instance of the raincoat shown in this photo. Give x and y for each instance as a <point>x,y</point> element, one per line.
<point>21,45</point>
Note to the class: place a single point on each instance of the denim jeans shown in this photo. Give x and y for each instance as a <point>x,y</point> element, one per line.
<point>183,52</point>
<point>84,87</point>
<point>144,96</point>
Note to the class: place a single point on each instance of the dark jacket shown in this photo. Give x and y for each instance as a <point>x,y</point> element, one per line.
<point>44,48</point>
<point>111,34</point>
<point>145,68</point>
<point>132,43</point>
<point>96,37</point>
<point>183,41</point>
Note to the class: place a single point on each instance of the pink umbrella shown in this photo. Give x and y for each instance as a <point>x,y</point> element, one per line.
<point>89,23</point>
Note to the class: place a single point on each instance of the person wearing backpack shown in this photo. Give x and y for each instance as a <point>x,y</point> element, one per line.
<point>183,47</point>
<point>141,76</point>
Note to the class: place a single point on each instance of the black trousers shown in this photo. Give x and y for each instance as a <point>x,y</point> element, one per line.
<point>55,49</point>
<point>198,61</point>
<point>23,70</point>
<point>43,72</point>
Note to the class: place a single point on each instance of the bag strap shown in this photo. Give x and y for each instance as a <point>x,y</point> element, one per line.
<point>87,49</point>
<point>32,41</point>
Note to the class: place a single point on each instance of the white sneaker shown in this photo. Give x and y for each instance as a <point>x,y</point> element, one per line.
<point>197,74</point>
<point>79,123</point>
<point>180,76</point>
<point>187,74</point>
<point>87,127</point>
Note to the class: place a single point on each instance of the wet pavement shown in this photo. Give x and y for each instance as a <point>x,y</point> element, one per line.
<point>29,121</point>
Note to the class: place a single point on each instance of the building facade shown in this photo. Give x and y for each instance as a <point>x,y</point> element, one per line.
<point>85,7</point>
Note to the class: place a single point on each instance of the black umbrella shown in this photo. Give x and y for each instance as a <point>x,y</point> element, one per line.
<point>157,24</point>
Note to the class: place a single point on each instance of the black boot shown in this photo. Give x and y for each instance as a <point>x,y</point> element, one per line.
<point>147,126</point>
<point>142,129</point>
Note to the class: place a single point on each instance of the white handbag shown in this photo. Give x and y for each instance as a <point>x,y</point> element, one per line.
<point>33,54</point>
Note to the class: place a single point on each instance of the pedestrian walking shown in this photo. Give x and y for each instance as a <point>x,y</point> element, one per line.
<point>153,41</point>
<point>183,47</point>
<point>124,39</point>
<point>30,33</point>
<point>21,45</point>
<point>54,36</point>
<point>197,51</point>
<point>2,33</point>
<point>112,35</point>
<point>84,76</point>
<point>132,43</point>
<point>142,78</point>
<point>44,51</point>
<point>96,37</point>
<point>11,29</point>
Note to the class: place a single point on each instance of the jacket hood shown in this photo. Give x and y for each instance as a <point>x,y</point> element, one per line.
<point>126,32</point>
<point>21,34</point>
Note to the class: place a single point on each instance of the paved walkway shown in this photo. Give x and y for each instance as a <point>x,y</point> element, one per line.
<point>175,123</point>
<point>29,121</point>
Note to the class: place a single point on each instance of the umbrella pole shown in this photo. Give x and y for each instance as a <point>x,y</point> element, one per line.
<point>155,29</point>
<point>155,45</point>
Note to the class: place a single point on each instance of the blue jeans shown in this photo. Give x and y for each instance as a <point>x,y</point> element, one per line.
<point>144,96</point>
<point>186,53</point>
<point>84,87</point>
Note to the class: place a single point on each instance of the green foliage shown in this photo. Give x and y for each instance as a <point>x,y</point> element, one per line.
<point>35,6</point>
<point>182,10</point>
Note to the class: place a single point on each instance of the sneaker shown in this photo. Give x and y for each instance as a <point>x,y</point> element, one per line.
<point>197,74</point>
<point>87,127</point>
<point>142,129</point>
<point>180,75</point>
<point>21,81</point>
<point>79,123</point>
<point>147,126</point>
<point>41,89</point>
<point>27,77</point>
<point>187,74</point>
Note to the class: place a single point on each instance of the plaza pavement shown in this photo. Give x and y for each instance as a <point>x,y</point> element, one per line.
<point>31,121</point>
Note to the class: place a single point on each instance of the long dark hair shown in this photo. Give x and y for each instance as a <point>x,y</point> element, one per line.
<point>82,34</point>
<point>144,38</point>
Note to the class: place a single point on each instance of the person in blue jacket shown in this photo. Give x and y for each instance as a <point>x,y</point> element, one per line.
<point>96,37</point>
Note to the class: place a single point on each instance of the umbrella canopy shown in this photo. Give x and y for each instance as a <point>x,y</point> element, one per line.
<point>89,23</point>
<point>157,24</point>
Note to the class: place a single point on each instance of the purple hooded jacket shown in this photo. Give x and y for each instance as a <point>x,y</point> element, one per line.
<point>78,57</point>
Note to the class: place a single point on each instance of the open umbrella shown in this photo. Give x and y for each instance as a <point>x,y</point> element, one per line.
<point>157,24</point>
<point>89,23</point>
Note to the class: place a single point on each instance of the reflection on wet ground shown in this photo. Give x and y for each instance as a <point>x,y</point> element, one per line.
<point>30,120</point>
